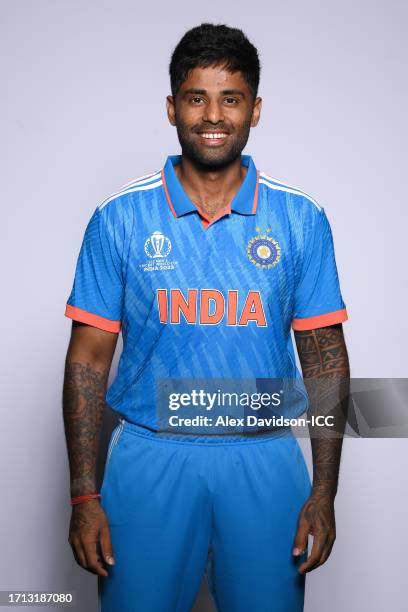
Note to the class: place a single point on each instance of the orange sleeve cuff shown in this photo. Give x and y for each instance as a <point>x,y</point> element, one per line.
<point>323,320</point>
<point>92,319</point>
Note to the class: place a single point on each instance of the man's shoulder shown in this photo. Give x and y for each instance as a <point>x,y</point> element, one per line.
<point>296,198</point>
<point>134,189</point>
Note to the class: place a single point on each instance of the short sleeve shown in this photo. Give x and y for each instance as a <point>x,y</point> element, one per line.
<point>318,300</point>
<point>97,293</point>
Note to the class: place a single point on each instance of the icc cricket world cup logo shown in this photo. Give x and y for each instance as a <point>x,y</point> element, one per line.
<point>157,245</point>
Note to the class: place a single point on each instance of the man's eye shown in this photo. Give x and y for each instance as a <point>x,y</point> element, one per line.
<point>196,100</point>
<point>231,100</point>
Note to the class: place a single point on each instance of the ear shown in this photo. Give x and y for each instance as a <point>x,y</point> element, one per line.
<point>171,111</point>
<point>256,112</point>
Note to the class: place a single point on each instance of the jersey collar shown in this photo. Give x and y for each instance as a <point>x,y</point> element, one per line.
<point>244,202</point>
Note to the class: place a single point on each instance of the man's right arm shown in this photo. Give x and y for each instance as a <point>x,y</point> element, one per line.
<point>87,366</point>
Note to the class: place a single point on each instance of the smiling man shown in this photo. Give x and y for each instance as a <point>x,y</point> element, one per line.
<point>205,266</point>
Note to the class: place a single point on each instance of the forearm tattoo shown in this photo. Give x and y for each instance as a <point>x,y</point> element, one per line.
<point>83,405</point>
<point>325,366</point>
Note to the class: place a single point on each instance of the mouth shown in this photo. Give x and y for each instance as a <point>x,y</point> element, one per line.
<point>212,138</point>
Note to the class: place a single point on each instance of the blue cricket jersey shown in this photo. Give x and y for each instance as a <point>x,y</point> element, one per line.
<point>202,298</point>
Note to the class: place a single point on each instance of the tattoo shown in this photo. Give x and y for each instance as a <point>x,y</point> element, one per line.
<point>84,515</point>
<point>323,352</point>
<point>319,513</point>
<point>83,405</point>
<point>325,366</point>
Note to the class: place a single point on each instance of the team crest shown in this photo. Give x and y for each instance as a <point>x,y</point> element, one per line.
<point>157,245</point>
<point>263,251</point>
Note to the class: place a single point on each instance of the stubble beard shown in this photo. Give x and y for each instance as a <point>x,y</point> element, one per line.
<point>212,159</point>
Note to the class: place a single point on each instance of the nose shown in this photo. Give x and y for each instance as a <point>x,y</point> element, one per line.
<point>213,112</point>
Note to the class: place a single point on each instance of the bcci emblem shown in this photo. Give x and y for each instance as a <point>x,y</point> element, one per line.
<point>157,245</point>
<point>263,251</point>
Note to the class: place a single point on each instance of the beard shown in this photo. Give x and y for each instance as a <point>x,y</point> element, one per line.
<point>208,158</point>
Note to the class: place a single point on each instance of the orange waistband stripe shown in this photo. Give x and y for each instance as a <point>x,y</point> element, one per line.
<point>92,319</point>
<point>323,320</point>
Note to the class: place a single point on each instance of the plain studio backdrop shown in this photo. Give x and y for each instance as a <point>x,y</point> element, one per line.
<point>82,113</point>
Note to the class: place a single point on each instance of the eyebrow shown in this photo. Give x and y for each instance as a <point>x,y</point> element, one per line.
<point>225,92</point>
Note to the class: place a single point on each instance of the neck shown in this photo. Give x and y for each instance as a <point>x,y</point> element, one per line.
<point>210,190</point>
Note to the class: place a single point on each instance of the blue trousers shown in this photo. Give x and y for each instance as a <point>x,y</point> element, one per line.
<point>181,506</point>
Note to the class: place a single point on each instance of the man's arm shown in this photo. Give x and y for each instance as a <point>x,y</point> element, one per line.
<point>87,366</point>
<point>325,366</point>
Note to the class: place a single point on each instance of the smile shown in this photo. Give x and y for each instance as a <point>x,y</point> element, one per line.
<point>213,135</point>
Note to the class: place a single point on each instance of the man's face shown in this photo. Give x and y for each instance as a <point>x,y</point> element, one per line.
<point>213,112</point>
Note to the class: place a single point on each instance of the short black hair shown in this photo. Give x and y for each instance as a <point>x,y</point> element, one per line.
<point>214,45</point>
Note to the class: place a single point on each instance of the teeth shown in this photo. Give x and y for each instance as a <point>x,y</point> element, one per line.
<point>211,135</point>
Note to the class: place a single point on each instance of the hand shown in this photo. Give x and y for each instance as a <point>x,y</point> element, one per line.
<point>317,518</point>
<point>88,527</point>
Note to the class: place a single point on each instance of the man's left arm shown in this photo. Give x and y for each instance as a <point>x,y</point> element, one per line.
<point>325,366</point>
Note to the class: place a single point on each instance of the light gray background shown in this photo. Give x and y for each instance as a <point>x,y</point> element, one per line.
<point>82,112</point>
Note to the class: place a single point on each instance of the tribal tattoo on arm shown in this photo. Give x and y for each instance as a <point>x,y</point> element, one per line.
<point>324,360</point>
<point>325,366</point>
<point>84,391</point>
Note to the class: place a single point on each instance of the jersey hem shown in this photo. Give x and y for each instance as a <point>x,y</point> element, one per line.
<point>89,318</point>
<point>323,320</point>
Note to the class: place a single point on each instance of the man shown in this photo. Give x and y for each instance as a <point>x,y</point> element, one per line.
<point>204,267</point>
